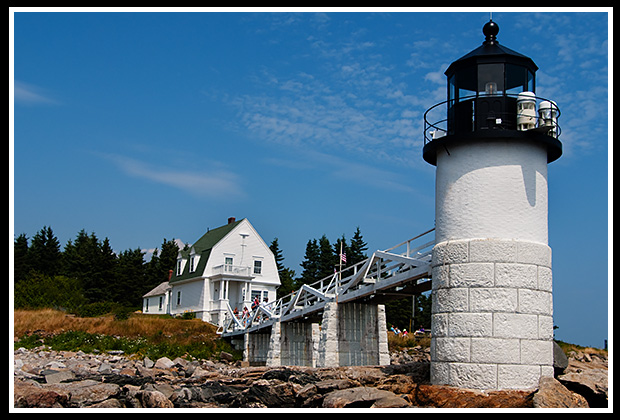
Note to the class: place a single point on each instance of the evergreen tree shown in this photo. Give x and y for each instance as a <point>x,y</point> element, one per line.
<point>44,252</point>
<point>287,282</point>
<point>157,270</point>
<point>106,261</point>
<point>310,264</point>
<point>131,278</point>
<point>357,249</point>
<point>81,260</point>
<point>328,259</point>
<point>168,257</point>
<point>277,253</point>
<point>21,262</point>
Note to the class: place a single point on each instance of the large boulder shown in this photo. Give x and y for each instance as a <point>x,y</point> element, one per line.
<point>552,394</point>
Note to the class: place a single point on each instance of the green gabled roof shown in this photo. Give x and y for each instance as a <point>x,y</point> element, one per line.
<point>203,248</point>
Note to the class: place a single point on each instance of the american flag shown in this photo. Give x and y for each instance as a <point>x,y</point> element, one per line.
<point>343,257</point>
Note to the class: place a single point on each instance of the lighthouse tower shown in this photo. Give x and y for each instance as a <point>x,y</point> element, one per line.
<point>492,313</point>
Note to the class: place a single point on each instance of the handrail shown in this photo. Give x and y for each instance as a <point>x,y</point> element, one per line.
<point>441,124</point>
<point>381,266</point>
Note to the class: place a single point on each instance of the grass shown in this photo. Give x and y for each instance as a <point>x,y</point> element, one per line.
<point>567,348</point>
<point>398,342</point>
<point>141,335</point>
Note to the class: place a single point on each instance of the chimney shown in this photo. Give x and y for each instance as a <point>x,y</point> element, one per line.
<point>231,220</point>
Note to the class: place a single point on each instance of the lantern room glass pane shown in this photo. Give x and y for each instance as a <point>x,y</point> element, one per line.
<point>491,79</point>
<point>451,89</point>
<point>518,79</point>
<point>465,83</point>
<point>531,87</point>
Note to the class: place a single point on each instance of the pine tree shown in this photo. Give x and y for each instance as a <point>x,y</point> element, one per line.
<point>327,259</point>
<point>21,262</point>
<point>287,276</point>
<point>131,278</point>
<point>310,264</point>
<point>277,253</point>
<point>357,249</point>
<point>44,252</point>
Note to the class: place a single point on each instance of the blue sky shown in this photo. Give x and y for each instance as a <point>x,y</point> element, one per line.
<point>144,126</point>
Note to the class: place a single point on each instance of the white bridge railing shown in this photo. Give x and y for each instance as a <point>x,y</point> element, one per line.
<point>402,264</point>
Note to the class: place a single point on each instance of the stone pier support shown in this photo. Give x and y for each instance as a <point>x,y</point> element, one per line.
<point>293,344</point>
<point>353,334</point>
<point>350,334</point>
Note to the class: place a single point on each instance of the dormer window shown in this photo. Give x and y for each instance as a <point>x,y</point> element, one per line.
<point>192,267</point>
<point>179,267</point>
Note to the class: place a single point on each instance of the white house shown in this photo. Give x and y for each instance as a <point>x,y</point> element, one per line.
<point>227,267</point>
<point>157,300</point>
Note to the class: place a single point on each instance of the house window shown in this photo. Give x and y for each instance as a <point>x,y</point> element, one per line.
<point>146,309</point>
<point>191,264</point>
<point>257,294</point>
<point>258,266</point>
<point>178,267</point>
<point>161,302</point>
<point>179,298</point>
<point>228,261</point>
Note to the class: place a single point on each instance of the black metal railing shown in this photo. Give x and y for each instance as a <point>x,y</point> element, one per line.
<point>464,116</point>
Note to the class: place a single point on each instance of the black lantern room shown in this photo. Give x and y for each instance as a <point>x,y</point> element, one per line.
<point>491,95</point>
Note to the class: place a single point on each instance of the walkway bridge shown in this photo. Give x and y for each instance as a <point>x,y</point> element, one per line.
<point>347,304</point>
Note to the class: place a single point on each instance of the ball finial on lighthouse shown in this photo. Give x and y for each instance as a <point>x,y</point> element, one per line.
<point>490,31</point>
<point>492,312</point>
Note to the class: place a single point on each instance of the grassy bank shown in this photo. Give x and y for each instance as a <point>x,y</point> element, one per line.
<point>141,335</point>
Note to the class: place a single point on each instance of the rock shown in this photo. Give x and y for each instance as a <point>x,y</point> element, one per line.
<point>153,399</point>
<point>270,394</point>
<point>591,383</point>
<point>28,395</point>
<point>227,357</point>
<point>55,377</point>
<point>552,394</point>
<point>363,397</point>
<point>111,403</point>
<point>105,368</point>
<point>586,375</point>
<point>87,392</point>
<point>118,381</point>
<point>560,361</point>
<point>450,397</point>
<point>199,373</point>
<point>163,363</point>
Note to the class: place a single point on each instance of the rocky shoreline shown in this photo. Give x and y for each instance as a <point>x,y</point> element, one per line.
<point>63,379</point>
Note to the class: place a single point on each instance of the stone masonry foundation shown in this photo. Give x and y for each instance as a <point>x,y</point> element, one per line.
<point>492,317</point>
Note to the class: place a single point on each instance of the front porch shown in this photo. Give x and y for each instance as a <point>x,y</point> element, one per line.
<point>230,288</point>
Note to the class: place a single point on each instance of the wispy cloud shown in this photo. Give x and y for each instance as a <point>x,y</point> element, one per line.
<point>366,115</point>
<point>348,101</point>
<point>211,184</point>
<point>28,94</point>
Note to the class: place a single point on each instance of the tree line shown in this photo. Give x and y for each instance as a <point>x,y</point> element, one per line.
<point>86,274</point>
<point>320,260</point>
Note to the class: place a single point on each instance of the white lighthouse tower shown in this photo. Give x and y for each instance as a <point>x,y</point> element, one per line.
<point>492,313</point>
